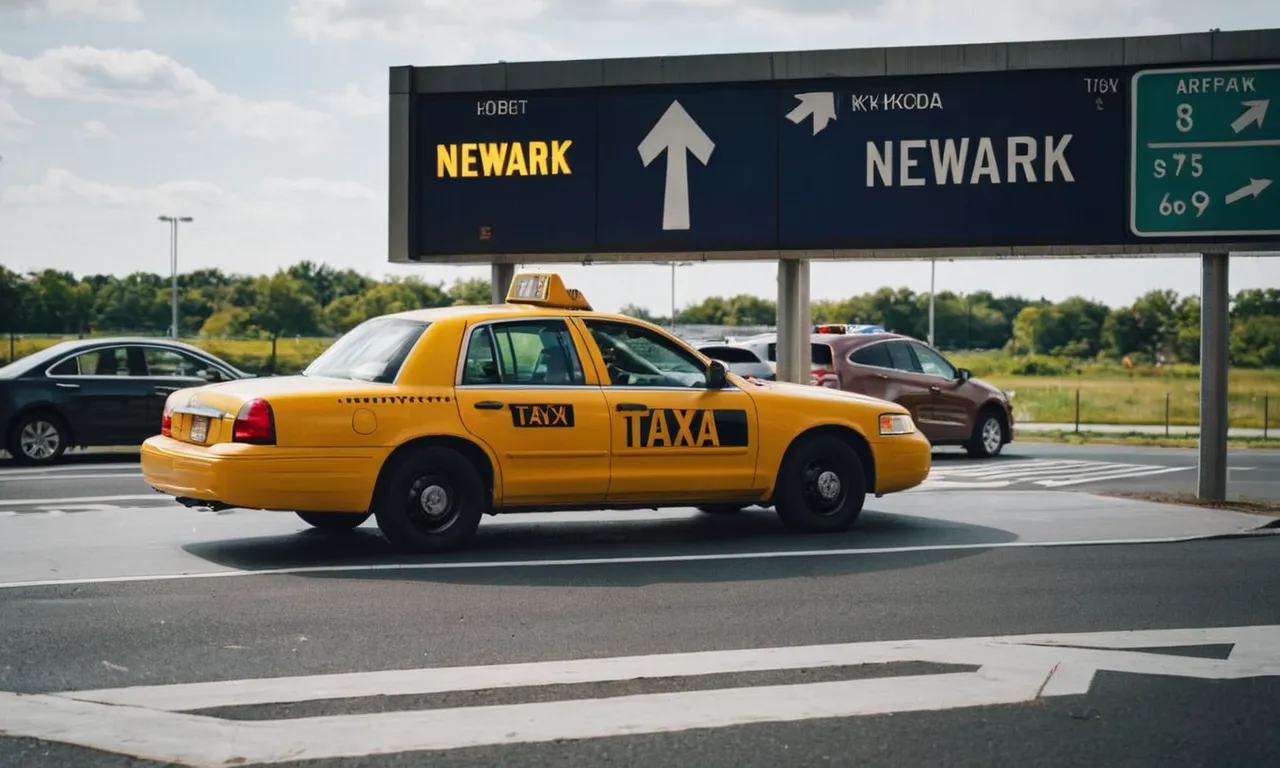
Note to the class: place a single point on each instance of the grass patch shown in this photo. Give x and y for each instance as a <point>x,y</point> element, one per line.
<point>1138,439</point>
<point>1265,507</point>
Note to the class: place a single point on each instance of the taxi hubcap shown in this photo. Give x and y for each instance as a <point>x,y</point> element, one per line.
<point>434,500</point>
<point>432,509</point>
<point>828,485</point>
<point>823,489</point>
<point>39,440</point>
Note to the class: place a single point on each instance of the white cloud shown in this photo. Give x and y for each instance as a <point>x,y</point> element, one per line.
<point>11,122</point>
<point>95,129</point>
<point>274,198</point>
<point>150,80</point>
<point>354,101</point>
<point>61,187</point>
<point>112,10</point>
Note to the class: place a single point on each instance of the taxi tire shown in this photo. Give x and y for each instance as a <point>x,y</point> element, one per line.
<point>791,500</point>
<point>446,466</point>
<point>333,521</point>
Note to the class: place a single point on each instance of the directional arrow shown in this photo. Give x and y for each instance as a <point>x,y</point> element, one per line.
<point>676,133</point>
<point>820,104</point>
<point>1255,113</point>
<point>1252,189</point>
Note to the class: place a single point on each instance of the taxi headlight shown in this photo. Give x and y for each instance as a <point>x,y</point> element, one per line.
<point>896,424</point>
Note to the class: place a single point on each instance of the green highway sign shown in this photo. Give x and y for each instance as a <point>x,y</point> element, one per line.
<point>1205,151</point>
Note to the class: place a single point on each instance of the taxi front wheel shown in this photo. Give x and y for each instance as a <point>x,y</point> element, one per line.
<point>821,486</point>
<point>430,500</point>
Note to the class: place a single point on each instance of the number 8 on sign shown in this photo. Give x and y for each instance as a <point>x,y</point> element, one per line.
<point>1184,117</point>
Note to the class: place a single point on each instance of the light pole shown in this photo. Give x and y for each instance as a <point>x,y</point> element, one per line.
<point>675,264</point>
<point>933,268</point>
<point>173,221</point>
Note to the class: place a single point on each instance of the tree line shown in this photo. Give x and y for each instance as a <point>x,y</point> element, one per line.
<point>317,300</point>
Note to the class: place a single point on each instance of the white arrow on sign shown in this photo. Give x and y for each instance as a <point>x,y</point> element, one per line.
<point>1255,112</point>
<point>676,133</point>
<point>820,104</point>
<point>1252,189</point>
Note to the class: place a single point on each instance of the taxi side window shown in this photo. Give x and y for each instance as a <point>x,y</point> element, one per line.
<point>637,357</point>
<point>537,353</point>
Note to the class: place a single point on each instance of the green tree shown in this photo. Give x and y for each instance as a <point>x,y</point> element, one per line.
<point>283,307</point>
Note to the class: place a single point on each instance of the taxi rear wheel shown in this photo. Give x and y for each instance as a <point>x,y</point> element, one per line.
<point>333,521</point>
<point>821,486</point>
<point>431,500</point>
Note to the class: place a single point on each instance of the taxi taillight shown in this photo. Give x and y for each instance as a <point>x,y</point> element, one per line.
<point>255,424</point>
<point>166,423</point>
<point>824,376</point>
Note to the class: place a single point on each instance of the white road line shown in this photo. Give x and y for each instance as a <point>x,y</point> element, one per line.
<point>30,478</point>
<point>124,466</point>
<point>975,651</point>
<point>1055,482</point>
<point>570,562</point>
<point>1012,669</point>
<point>85,500</point>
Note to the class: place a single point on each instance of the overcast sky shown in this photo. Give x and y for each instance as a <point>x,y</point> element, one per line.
<point>266,121</point>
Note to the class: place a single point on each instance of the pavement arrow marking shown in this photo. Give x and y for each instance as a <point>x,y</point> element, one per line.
<point>157,721</point>
<point>821,105</point>
<point>676,133</point>
<point>1252,189</point>
<point>1255,112</point>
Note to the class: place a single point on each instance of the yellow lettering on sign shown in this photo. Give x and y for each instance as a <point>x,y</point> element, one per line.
<point>707,434</point>
<point>492,156</point>
<point>503,158</point>
<point>684,427</point>
<point>657,430</point>
<point>469,160</point>
<point>446,160</point>
<point>535,416</point>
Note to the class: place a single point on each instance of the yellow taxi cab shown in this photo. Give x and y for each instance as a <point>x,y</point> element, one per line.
<point>429,419</point>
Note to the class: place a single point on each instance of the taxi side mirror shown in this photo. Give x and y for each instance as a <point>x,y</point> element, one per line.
<point>716,375</point>
<point>964,374</point>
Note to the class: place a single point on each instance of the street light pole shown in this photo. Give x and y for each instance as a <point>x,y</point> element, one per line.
<point>933,268</point>
<point>173,221</point>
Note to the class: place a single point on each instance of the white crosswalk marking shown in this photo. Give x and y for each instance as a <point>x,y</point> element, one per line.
<point>1046,473</point>
<point>174,723</point>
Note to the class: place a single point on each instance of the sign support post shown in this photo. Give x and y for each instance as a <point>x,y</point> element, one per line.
<point>1214,362</point>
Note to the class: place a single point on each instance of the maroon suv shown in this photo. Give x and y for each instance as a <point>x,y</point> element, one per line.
<point>949,406</point>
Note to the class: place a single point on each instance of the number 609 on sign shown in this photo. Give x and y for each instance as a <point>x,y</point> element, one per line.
<point>1199,201</point>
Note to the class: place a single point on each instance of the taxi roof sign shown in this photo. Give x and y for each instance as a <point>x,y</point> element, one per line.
<point>545,289</point>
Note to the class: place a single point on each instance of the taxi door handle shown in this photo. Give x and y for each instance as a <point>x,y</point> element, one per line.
<point>632,407</point>
<point>489,405</point>
<point>935,389</point>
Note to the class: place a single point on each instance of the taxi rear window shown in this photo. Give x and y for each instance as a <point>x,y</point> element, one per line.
<point>373,351</point>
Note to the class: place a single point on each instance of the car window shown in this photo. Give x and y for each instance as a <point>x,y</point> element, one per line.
<point>730,354</point>
<point>901,357</point>
<point>873,354</point>
<point>108,361</point>
<point>523,354</point>
<point>171,363</point>
<point>820,354</point>
<point>638,357</point>
<point>933,363</point>
<point>374,350</point>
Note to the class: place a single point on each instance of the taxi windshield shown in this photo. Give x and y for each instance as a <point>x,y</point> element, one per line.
<point>373,351</point>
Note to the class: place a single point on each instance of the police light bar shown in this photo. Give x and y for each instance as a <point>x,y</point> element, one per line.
<point>545,289</point>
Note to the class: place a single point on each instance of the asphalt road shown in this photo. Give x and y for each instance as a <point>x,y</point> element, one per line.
<point>113,480</point>
<point>942,630</point>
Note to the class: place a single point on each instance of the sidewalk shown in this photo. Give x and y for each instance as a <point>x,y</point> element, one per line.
<point>1145,429</point>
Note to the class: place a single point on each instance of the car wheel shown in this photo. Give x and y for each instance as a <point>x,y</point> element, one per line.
<point>430,500</point>
<point>821,486</point>
<point>38,439</point>
<point>721,509</point>
<point>988,436</point>
<point>333,521</point>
